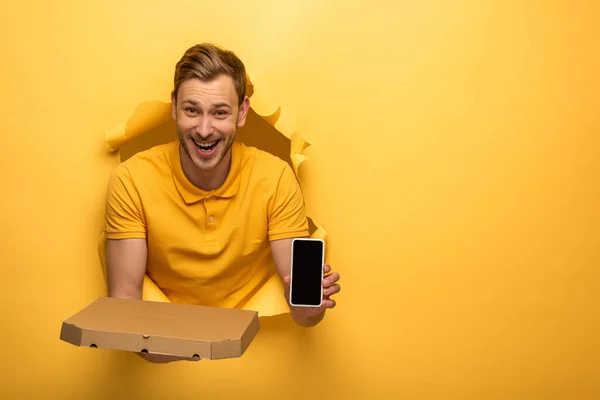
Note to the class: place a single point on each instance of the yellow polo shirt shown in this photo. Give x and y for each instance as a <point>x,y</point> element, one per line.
<point>207,248</point>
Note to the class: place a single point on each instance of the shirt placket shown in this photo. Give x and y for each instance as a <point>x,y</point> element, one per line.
<point>210,219</point>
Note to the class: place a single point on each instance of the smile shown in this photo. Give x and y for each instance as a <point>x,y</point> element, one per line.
<point>206,147</point>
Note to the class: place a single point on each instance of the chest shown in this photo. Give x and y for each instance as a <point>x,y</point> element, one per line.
<point>214,227</point>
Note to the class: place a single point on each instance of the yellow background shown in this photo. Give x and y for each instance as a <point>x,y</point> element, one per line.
<point>454,163</point>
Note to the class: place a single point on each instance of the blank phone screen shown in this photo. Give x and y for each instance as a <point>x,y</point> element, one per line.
<point>307,272</point>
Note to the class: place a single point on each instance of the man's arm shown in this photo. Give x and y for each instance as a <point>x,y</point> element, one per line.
<point>126,248</point>
<point>287,220</point>
<point>125,270</point>
<point>125,227</point>
<point>281,251</point>
<point>126,267</point>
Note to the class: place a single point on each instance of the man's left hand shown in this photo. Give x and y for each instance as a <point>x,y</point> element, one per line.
<point>309,316</point>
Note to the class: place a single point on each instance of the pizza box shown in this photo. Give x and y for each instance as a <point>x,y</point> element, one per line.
<point>143,326</point>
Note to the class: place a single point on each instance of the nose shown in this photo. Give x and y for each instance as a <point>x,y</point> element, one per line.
<point>205,128</point>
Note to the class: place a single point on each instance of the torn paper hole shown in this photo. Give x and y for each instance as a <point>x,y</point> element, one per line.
<point>146,117</point>
<point>151,116</point>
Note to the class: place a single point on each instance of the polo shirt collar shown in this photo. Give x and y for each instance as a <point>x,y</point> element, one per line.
<point>191,193</point>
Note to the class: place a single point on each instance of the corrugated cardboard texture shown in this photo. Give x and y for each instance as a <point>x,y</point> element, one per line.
<point>167,328</point>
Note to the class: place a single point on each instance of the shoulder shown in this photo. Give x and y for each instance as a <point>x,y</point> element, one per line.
<point>264,165</point>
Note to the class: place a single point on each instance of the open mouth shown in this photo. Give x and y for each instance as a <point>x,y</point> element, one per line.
<point>207,148</point>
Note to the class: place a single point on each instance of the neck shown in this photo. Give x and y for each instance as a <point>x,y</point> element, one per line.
<point>205,180</point>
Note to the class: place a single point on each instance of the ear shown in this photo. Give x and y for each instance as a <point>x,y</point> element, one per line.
<point>173,106</point>
<point>244,107</point>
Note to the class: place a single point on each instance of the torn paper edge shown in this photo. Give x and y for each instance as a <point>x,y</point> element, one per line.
<point>157,113</point>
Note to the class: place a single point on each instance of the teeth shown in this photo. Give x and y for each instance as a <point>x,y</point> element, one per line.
<point>205,145</point>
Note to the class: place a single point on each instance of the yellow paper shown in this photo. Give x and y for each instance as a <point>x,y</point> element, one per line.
<point>151,292</point>
<point>273,118</point>
<point>319,233</point>
<point>297,147</point>
<point>249,86</point>
<point>269,300</point>
<point>146,117</point>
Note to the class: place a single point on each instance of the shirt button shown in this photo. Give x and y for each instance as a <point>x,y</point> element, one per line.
<point>211,219</point>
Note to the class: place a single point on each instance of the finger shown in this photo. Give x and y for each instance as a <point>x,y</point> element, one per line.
<point>329,303</point>
<point>287,279</point>
<point>326,268</point>
<point>331,279</point>
<point>332,290</point>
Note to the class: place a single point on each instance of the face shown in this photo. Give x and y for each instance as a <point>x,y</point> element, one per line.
<point>208,117</point>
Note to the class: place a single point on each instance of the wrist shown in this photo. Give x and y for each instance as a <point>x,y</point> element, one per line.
<point>306,321</point>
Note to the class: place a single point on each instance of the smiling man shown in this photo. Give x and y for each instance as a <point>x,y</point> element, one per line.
<point>207,218</point>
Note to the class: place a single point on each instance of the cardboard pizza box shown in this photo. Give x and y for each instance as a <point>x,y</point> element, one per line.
<point>164,328</point>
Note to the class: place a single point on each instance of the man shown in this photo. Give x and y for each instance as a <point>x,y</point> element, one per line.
<point>206,217</point>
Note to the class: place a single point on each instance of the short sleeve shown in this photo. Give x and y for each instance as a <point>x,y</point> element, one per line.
<point>287,216</point>
<point>124,218</point>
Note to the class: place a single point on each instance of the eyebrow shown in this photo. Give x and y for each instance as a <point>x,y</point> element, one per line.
<point>195,103</point>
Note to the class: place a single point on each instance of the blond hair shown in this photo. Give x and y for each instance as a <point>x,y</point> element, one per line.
<point>207,61</point>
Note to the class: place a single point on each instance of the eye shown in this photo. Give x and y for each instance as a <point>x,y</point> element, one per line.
<point>221,113</point>
<point>190,110</point>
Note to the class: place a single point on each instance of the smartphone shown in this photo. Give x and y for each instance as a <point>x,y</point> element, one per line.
<point>306,286</point>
